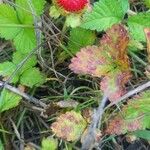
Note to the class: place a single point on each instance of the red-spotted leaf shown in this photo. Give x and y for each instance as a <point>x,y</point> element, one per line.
<point>113,85</point>
<point>134,116</point>
<point>90,60</point>
<point>69,126</point>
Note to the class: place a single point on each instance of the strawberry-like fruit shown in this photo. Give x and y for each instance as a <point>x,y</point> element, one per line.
<point>72,6</point>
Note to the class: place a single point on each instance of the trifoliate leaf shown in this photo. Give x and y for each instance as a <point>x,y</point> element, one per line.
<point>27,8</point>
<point>9,24</point>
<point>25,41</point>
<point>80,38</point>
<point>134,116</point>
<point>19,57</point>
<point>69,126</point>
<point>49,144</point>
<point>32,77</point>
<point>105,13</point>
<point>8,100</point>
<point>6,70</point>
<point>137,23</point>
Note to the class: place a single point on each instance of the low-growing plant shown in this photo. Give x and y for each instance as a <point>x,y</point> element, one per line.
<point>101,38</point>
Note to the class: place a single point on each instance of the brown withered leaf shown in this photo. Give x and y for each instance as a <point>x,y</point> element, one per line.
<point>109,60</point>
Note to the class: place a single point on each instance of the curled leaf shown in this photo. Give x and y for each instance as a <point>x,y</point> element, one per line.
<point>69,126</point>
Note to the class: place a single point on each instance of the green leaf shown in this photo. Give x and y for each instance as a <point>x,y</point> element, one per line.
<point>145,134</point>
<point>49,144</point>
<point>6,70</point>
<point>25,41</point>
<point>25,8</point>
<point>32,77</point>
<point>1,145</point>
<point>125,5</point>
<point>137,23</point>
<point>19,57</point>
<point>8,22</point>
<point>8,100</point>
<point>105,13</point>
<point>147,3</point>
<point>80,38</point>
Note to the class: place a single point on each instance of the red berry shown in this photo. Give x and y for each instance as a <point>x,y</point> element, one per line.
<point>72,5</point>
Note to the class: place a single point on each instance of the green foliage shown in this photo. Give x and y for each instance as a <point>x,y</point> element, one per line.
<point>145,134</point>
<point>8,100</point>
<point>32,77</point>
<point>17,25</point>
<point>49,144</point>
<point>19,57</point>
<point>105,13</point>
<point>1,145</point>
<point>137,23</point>
<point>8,22</point>
<point>25,41</point>
<point>26,10</point>
<point>6,70</point>
<point>147,3</point>
<point>80,38</point>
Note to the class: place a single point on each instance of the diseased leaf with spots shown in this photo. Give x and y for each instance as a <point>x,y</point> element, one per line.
<point>134,116</point>
<point>109,60</point>
<point>69,126</point>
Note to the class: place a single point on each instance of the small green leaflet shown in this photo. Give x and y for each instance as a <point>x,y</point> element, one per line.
<point>144,134</point>
<point>49,144</point>
<point>137,23</point>
<point>8,22</point>
<point>8,100</point>
<point>6,70</point>
<point>32,77</point>
<point>105,13</point>
<point>19,57</point>
<point>80,38</point>
<point>25,41</point>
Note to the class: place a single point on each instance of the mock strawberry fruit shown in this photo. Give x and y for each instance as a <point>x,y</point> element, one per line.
<point>72,6</point>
